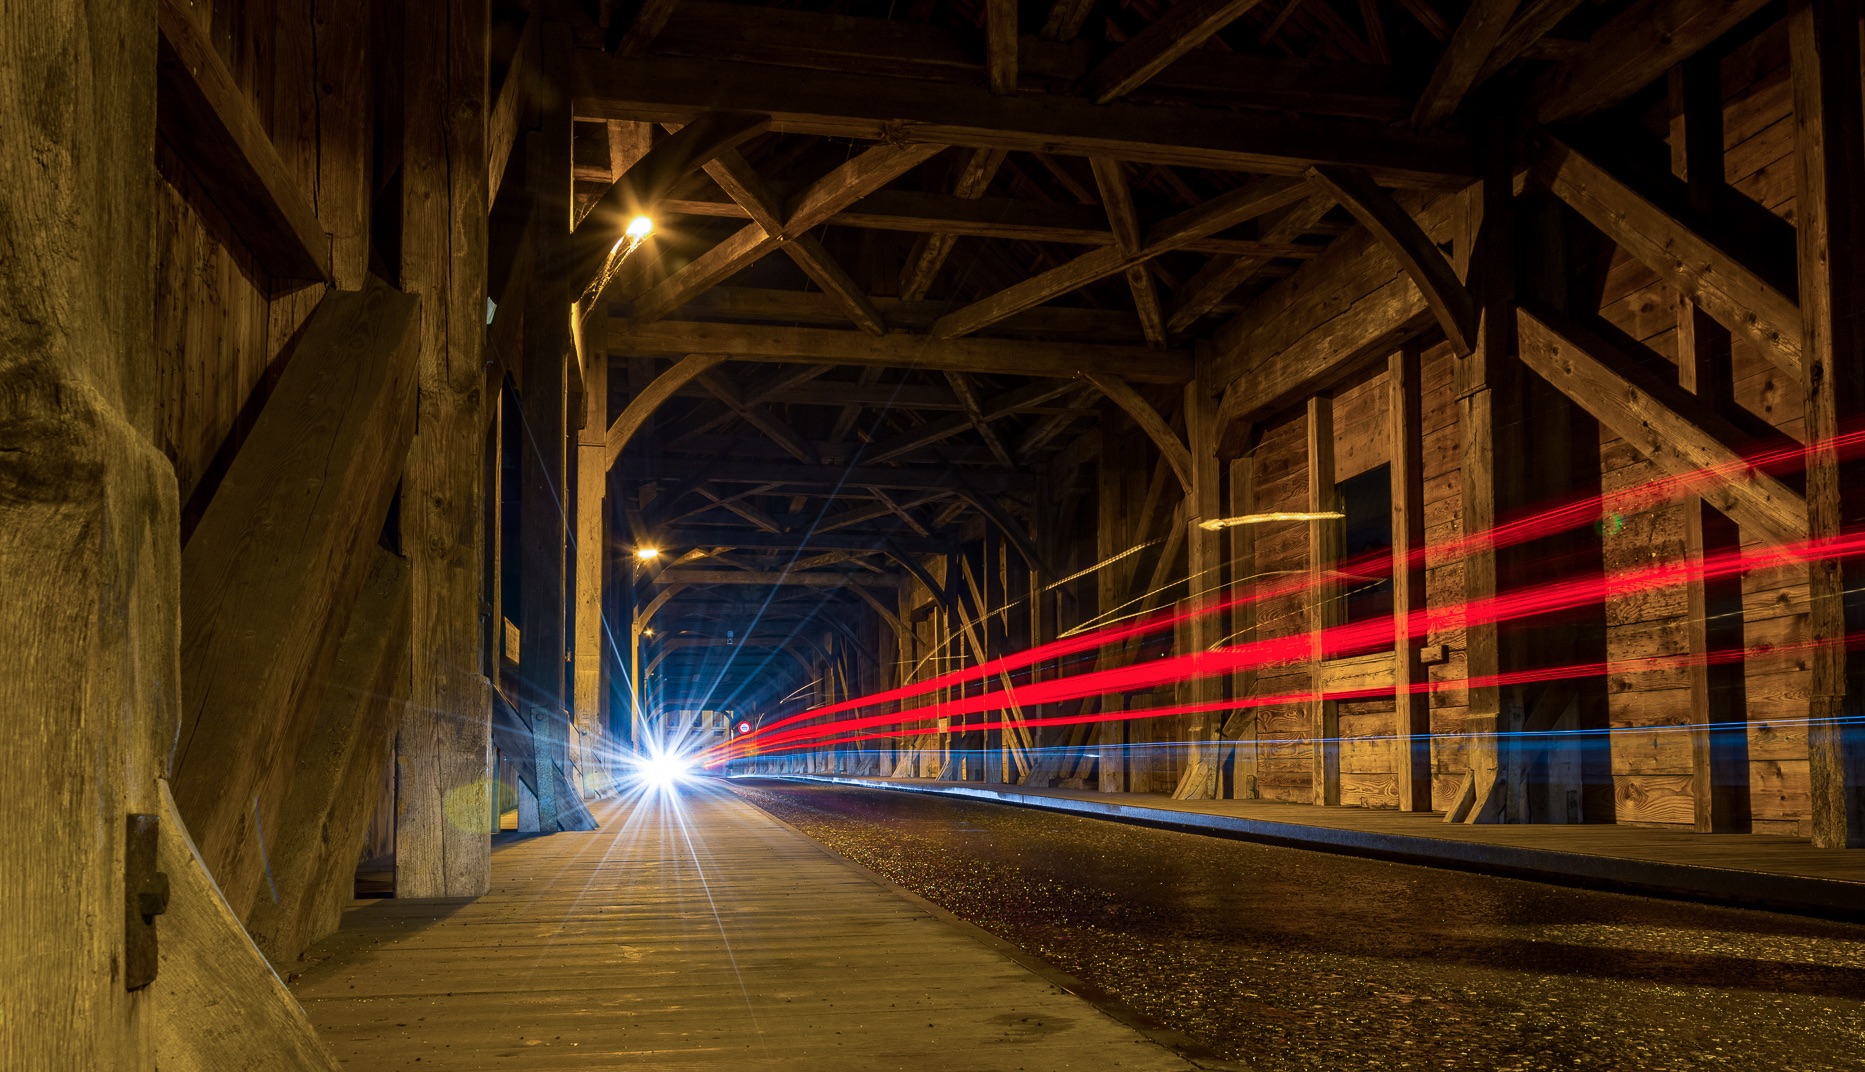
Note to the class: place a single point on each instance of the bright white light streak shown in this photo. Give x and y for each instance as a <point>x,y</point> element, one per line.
<point>1103,564</point>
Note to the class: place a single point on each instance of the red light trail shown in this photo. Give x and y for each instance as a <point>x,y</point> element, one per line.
<point>1338,641</point>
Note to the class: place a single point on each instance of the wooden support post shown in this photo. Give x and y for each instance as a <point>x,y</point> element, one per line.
<point>1239,728</point>
<point>1325,542</point>
<point>442,849</point>
<point>1206,573</point>
<point>1487,384</point>
<point>1113,534</point>
<point>542,466</point>
<point>1714,616</point>
<point>262,617</point>
<point>89,536</point>
<point>592,473</point>
<point>1411,709</point>
<point>1829,161</point>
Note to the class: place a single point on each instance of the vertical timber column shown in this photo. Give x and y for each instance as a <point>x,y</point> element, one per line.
<point>1485,381</point>
<point>1204,568</point>
<point>89,528</point>
<point>1325,539</point>
<point>1411,710</point>
<point>591,481</point>
<point>1240,725</point>
<point>1829,157</point>
<point>1719,736</point>
<point>543,447</point>
<point>1113,534</point>
<point>442,834</point>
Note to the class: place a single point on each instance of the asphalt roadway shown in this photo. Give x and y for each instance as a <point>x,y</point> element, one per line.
<point>1269,958</point>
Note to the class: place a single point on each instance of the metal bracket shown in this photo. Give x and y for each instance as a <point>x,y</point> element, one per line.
<point>145,896</point>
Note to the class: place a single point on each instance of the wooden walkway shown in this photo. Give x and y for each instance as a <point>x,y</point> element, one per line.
<point>1760,870</point>
<point>705,935</point>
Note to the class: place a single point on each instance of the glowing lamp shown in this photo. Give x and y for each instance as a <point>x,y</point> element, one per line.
<point>640,227</point>
<point>647,554</point>
<point>664,771</point>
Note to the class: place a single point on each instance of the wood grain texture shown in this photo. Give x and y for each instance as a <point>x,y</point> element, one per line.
<point>277,561</point>
<point>213,124</point>
<point>852,105</point>
<point>1179,29</point>
<point>1670,426</point>
<point>694,981</point>
<point>441,746</point>
<point>219,1006</point>
<point>1713,277</point>
<point>1634,49</point>
<point>317,837</point>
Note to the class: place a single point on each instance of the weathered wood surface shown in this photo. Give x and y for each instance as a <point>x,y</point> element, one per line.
<point>210,121</point>
<point>1679,433</point>
<point>650,970</point>
<point>314,844</point>
<point>217,1006</point>
<point>752,342</point>
<point>853,105</point>
<point>1829,157</point>
<point>1714,277</point>
<point>89,528</point>
<point>1634,49</point>
<point>441,747</point>
<point>272,571</point>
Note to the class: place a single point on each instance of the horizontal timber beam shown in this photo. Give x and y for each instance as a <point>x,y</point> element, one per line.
<point>1675,429</point>
<point>899,110</point>
<point>801,541</point>
<point>851,477</point>
<point>801,579</point>
<point>1018,357</point>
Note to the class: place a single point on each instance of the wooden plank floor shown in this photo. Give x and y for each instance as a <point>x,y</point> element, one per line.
<point>706,935</point>
<point>1764,854</point>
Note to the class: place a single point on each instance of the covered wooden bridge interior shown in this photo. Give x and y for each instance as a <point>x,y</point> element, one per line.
<point>415,414</point>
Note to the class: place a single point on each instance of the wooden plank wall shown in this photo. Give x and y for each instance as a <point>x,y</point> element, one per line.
<point>1651,762</point>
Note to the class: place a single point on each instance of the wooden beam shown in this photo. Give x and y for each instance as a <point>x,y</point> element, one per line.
<point>640,189</point>
<point>994,217</point>
<point>743,185</point>
<point>1411,709</point>
<point>509,106</point>
<point>860,176</point>
<point>1065,19</point>
<point>1181,28</point>
<point>441,743</point>
<point>204,115</point>
<point>1220,277</point>
<point>834,104</point>
<point>313,843</point>
<point>1634,49</point>
<point>1829,160</point>
<point>1226,210</point>
<point>1171,447</point>
<point>1350,306</point>
<point>1326,547</point>
<point>851,476</point>
<point>1679,433</point>
<point>974,411</point>
<point>1462,60</point>
<point>262,617</point>
<point>1016,357</point>
<point>995,408</point>
<point>642,406</point>
<point>722,388</point>
<point>1395,228</point>
<point>1000,45</point>
<point>649,20</point>
<point>930,254</point>
<point>812,540</point>
<point>1533,21</point>
<point>684,575</point>
<point>1660,237</point>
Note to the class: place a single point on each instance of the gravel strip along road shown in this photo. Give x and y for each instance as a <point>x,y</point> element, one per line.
<point>1281,958</point>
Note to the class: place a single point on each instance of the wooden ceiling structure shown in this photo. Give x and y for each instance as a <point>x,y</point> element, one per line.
<point>940,242</point>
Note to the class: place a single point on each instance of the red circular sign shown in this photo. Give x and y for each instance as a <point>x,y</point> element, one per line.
<point>744,727</point>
